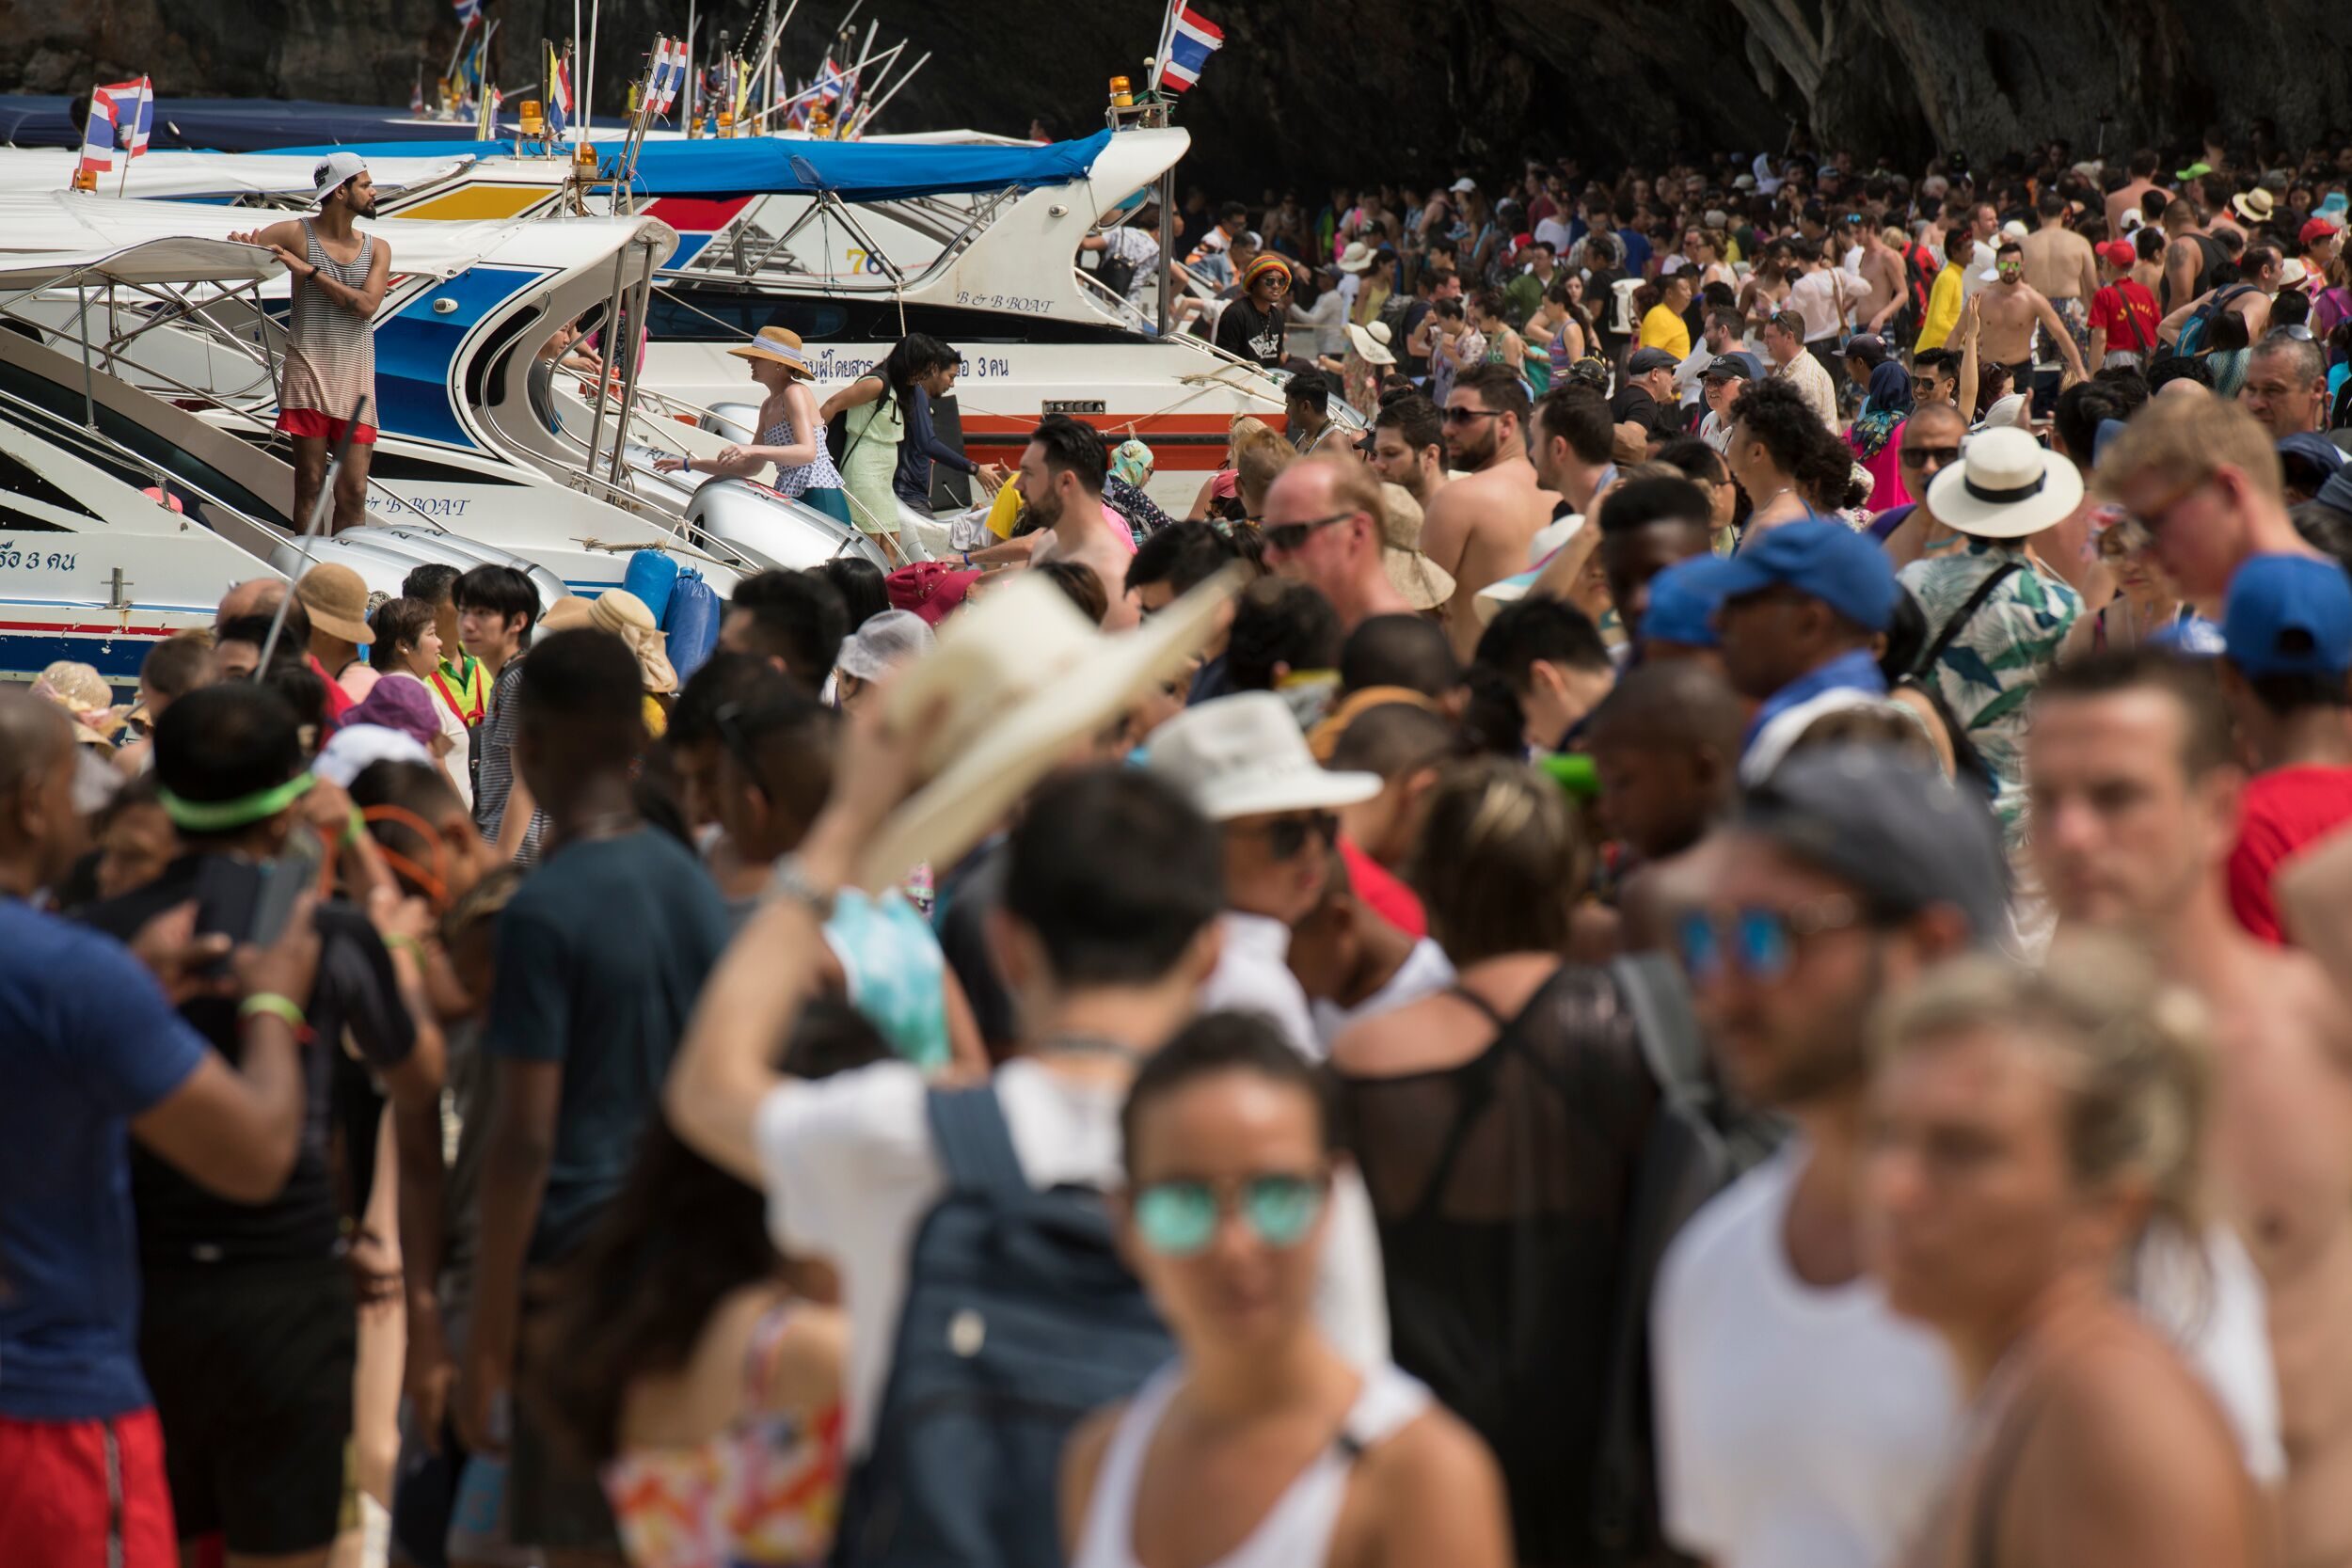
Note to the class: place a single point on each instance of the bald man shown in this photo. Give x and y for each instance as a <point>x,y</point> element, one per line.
<point>253,597</point>
<point>1324,526</point>
<point>95,1051</point>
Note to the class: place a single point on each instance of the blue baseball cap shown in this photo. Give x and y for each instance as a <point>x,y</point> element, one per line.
<point>2289,615</point>
<point>1826,560</point>
<point>1683,599</point>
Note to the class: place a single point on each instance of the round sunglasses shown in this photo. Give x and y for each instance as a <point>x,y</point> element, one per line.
<point>1179,1219</point>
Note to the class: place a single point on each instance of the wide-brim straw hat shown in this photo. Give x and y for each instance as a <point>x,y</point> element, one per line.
<point>1372,343</point>
<point>1021,676</point>
<point>1425,583</point>
<point>779,345</point>
<point>627,617</point>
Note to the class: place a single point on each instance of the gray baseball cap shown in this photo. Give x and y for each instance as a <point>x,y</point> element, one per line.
<point>1904,835</point>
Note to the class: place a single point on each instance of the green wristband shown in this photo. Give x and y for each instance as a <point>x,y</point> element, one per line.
<point>275,1005</point>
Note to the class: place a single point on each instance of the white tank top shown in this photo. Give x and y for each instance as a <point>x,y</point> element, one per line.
<point>1297,1530</point>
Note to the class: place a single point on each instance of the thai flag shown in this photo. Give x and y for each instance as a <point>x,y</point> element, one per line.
<point>669,70</point>
<point>558,94</point>
<point>468,12</point>
<point>121,116</point>
<point>1190,43</point>
<point>830,81</point>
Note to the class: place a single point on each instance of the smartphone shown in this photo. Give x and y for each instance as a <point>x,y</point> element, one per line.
<point>284,880</point>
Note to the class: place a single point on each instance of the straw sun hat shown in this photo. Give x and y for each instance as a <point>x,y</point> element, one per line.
<point>779,345</point>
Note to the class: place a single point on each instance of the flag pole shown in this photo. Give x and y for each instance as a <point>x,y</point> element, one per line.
<point>569,44</point>
<point>866,114</point>
<point>1160,57</point>
<point>457,53</point>
<point>587,96</point>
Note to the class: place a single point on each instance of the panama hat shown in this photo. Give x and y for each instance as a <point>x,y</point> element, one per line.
<point>1425,583</point>
<point>1017,676</point>
<point>779,344</point>
<point>2005,485</point>
<point>336,599</point>
<point>2255,206</point>
<point>1356,258</point>
<point>1372,343</point>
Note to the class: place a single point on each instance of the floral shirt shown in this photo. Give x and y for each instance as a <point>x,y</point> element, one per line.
<point>1988,674</point>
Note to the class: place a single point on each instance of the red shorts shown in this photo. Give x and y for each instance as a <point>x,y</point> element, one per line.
<point>310,421</point>
<point>76,1490</point>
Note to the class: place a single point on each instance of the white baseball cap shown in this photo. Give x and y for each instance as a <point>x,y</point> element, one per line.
<point>1463,186</point>
<point>336,170</point>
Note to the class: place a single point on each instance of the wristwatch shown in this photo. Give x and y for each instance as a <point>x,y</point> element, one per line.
<point>790,881</point>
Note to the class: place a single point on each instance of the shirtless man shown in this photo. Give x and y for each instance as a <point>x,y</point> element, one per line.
<point>2011,309</point>
<point>1478,528</point>
<point>2134,808</point>
<point>1062,481</point>
<point>1882,270</point>
<point>2062,266</point>
<point>2135,193</point>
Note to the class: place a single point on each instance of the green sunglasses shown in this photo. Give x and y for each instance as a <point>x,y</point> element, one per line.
<point>1179,1219</point>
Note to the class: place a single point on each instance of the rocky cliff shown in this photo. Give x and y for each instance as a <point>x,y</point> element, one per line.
<point>1341,87</point>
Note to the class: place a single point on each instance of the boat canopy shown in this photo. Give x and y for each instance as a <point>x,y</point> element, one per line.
<point>32,170</point>
<point>146,264</point>
<point>852,171</point>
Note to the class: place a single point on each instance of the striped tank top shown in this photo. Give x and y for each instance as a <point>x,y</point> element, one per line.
<point>330,356</point>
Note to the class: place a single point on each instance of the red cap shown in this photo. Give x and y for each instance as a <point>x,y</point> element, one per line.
<point>2119,253</point>
<point>2316,230</point>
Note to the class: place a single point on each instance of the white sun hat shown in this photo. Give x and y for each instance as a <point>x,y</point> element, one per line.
<point>1372,343</point>
<point>2005,485</point>
<point>1244,756</point>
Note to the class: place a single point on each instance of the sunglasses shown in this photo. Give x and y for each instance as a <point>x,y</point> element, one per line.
<point>1464,416</point>
<point>1919,457</point>
<point>1286,836</point>
<point>1287,537</point>
<point>1760,942</point>
<point>1179,1219</point>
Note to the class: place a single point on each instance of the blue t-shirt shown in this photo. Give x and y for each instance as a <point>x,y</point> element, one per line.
<point>600,955</point>
<point>87,1041</point>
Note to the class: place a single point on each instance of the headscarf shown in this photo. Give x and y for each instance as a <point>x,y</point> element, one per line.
<point>1131,460</point>
<point>1885,407</point>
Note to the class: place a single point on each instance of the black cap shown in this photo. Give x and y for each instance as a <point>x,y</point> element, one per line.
<point>1904,835</point>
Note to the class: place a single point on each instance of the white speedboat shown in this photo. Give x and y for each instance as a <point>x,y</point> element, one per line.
<point>853,244</point>
<point>124,517</point>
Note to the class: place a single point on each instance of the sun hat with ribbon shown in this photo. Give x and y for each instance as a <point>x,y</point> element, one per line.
<point>85,696</point>
<point>2255,206</point>
<point>625,615</point>
<point>2005,485</point>
<point>779,345</point>
<point>1372,343</point>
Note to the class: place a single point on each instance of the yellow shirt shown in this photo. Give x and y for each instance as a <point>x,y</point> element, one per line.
<point>1663,328</point>
<point>1943,310</point>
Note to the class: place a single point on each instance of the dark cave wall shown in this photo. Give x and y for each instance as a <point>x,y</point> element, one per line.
<point>1302,92</point>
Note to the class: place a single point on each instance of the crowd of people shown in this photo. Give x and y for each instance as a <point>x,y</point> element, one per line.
<point>1718,934</point>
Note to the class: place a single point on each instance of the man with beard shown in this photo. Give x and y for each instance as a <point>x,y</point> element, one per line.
<point>2136,789</point>
<point>1408,447</point>
<point>1477,528</point>
<point>1062,470</point>
<point>328,383</point>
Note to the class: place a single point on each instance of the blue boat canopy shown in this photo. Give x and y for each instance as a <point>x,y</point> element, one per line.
<point>855,172</point>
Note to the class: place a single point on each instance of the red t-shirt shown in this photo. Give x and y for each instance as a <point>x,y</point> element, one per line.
<point>2128,311</point>
<point>338,702</point>
<point>1382,893</point>
<point>2282,812</point>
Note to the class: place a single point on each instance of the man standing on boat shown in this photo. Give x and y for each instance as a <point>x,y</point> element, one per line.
<point>338,277</point>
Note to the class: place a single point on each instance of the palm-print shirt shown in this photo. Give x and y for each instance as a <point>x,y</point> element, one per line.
<point>1988,674</point>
